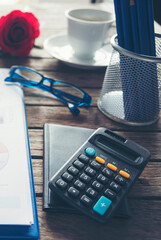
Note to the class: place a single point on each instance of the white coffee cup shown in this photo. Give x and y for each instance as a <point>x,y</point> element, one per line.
<point>87,30</point>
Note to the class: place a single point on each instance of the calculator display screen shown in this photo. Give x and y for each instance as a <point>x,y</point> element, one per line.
<point>114,146</point>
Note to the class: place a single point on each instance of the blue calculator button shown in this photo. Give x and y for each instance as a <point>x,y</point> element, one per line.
<point>90,151</point>
<point>102,205</point>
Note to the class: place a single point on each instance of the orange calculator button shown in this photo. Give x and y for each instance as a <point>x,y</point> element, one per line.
<point>100,160</point>
<point>112,167</point>
<point>124,174</point>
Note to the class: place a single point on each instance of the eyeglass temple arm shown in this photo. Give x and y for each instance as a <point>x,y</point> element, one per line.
<point>85,101</point>
<point>67,95</point>
<point>74,110</point>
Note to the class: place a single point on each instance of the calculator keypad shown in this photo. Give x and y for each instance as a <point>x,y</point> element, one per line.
<point>92,183</point>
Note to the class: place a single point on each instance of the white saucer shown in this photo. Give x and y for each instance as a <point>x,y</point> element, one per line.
<point>59,48</point>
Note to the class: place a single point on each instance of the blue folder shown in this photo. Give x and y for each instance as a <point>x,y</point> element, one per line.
<point>23,231</point>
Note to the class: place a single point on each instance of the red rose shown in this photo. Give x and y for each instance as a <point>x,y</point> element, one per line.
<point>18,31</point>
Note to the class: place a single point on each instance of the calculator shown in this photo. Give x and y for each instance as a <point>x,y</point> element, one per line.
<point>99,175</point>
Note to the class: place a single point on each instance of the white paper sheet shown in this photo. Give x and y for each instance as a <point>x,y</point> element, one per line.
<point>15,195</point>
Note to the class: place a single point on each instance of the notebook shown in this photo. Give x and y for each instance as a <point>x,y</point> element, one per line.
<point>60,143</point>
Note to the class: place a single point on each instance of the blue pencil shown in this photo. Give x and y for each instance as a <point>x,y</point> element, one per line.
<point>119,27</point>
<point>143,26</point>
<point>133,84</point>
<point>124,31</point>
<point>151,27</point>
<point>134,26</point>
<point>144,49</point>
<point>126,23</point>
<point>129,80</point>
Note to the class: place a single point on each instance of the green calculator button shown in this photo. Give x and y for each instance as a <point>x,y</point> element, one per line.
<point>102,205</point>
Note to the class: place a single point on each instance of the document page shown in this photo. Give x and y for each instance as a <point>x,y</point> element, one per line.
<point>15,194</point>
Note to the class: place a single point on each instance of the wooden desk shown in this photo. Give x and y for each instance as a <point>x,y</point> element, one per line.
<point>145,197</point>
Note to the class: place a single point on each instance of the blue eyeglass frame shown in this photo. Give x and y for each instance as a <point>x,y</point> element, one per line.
<point>61,95</point>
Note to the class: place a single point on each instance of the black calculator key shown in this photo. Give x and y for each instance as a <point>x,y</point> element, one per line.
<point>83,158</point>
<point>121,180</point>
<point>90,171</point>
<point>91,193</point>
<point>61,184</point>
<point>107,172</point>
<point>98,186</point>
<point>95,165</point>
<point>110,194</point>
<point>85,178</point>
<point>79,185</point>
<point>78,164</point>
<point>67,177</point>
<point>101,178</point>
<point>86,200</point>
<point>74,171</point>
<point>115,187</point>
<point>73,192</point>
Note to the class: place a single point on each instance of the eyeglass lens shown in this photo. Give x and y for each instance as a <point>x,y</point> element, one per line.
<point>29,75</point>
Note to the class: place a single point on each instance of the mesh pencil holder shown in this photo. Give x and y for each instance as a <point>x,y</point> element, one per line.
<point>131,87</point>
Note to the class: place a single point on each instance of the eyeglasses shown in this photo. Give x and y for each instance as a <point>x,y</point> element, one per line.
<point>69,94</point>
